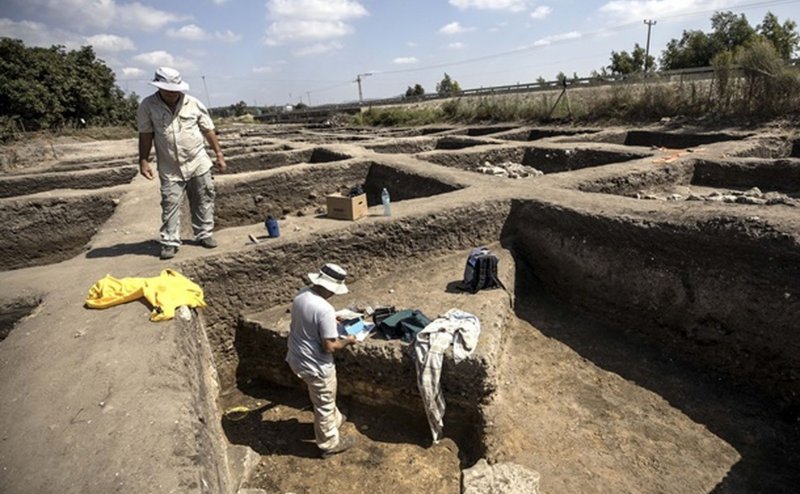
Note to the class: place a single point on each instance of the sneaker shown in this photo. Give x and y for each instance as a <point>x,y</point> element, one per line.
<point>208,242</point>
<point>168,251</point>
<point>345,443</point>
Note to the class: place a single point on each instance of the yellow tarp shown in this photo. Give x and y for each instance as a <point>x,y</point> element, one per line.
<point>165,293</point>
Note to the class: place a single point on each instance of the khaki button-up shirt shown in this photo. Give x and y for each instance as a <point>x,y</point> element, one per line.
<point>180,145</point>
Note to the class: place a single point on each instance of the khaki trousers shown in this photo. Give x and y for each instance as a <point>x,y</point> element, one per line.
<point>327,417</point>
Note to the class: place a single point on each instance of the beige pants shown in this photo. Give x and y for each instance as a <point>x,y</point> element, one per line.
<point>327,418</point>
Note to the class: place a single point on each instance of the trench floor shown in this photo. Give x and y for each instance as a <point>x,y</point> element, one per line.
<point>591,407</point>
<point>594,408</point>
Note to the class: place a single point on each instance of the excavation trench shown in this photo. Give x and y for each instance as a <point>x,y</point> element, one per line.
<point>46,230</point>
<point>248,162</point>
<point>705,179</point>
<point>709,293</point>
<point>14,310</point>
<point>302,191</point>
<point>20,185</point>
<point>544,159</point>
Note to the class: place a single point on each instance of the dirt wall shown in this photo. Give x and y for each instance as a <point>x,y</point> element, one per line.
<point>266,276</point>
<point>95,179</point>
<point>722,291</point>
<point>40,231</point>
<point>247,201</point>
<point>769,175</point>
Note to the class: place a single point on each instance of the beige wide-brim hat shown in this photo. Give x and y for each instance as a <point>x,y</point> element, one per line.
<point>169,79</point>
<point>331,277</point>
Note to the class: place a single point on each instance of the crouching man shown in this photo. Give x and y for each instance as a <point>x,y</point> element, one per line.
<point>313,337</point>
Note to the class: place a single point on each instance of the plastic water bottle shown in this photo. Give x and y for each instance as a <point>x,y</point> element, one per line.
<point>387,202</point>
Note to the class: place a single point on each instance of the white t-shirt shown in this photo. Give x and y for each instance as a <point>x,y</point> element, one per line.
<point>313,320</point>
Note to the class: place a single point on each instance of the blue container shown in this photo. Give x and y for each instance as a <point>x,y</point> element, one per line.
<point>272,227</point>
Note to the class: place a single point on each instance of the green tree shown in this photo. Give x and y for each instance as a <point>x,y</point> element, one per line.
<point>730,32</point>
<point>50,87</point>
<point>239,109</point>
<point>694,49</point>
<point>415,91</point>
<point>447,86</point>
<point>783,37</point>
<point>625,63</point>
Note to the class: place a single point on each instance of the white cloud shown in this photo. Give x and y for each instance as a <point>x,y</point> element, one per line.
<point>131,72</point>
<point>162,58</point>
<point>303,30</point>
<point>220,2</point>
<point>456,46</point>
<point>548,40</point>
<point>541,12</point>
<point>263,70</point>
<point>317,49</point>
<point>315,9</point>
<point>227,36</point>
<point>110,43</point>
<point>85,15</point>
<point>412,44</point>
<point>310,20</point>
<point>135,15</point>
<point>193,32</point>
<point>454,28</point>
<point>636,10</point>
<point>510,5</point>
<point>404,60</point>
<point>37,34</point>
<point>190,32</point>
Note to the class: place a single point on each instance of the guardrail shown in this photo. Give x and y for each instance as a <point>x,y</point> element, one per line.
<point>322,112</point>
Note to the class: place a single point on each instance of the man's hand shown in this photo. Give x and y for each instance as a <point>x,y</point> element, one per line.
<point>221,165</point>
<point>147,170</point>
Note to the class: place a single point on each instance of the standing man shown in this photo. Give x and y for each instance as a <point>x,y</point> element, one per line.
<point>313,337</point>
<point>178,123</point>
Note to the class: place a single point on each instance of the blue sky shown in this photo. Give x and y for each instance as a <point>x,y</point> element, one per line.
<point>285,51</point>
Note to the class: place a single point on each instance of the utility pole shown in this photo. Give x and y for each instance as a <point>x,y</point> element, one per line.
<point>358,80</point>
<point>650,23</point>
<point>208,99</point>
<point>308,93</point>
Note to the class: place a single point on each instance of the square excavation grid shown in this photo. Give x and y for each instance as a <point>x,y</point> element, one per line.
<point>545,159</point>
<point>248,200</point>
<point>35,231</point>
<point>248,162</point>
<point>672,322</point>
<point>743,181</point>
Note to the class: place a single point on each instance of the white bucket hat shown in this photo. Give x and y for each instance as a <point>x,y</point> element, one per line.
<point>169,79</point>
<point>331,277</point>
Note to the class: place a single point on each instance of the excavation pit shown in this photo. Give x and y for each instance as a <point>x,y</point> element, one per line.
<point>542,133</point>
<point>14,310</point>
<point>484,131</point>
<point>20,185</point>
<point>423,144</point>
<point>302,190</point>
<point>376,383</point>
<point>45,230</point>
<point>647,138</point>
<point>544,159</point>
<point>750,181</point>
<point>249,162</point>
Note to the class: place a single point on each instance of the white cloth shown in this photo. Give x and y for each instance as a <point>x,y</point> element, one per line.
<point>456,327</point>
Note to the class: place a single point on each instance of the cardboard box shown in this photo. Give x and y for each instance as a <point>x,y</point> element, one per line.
<point>346,208</point>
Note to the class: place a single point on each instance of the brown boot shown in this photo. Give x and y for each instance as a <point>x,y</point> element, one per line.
<point>345,443</point>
